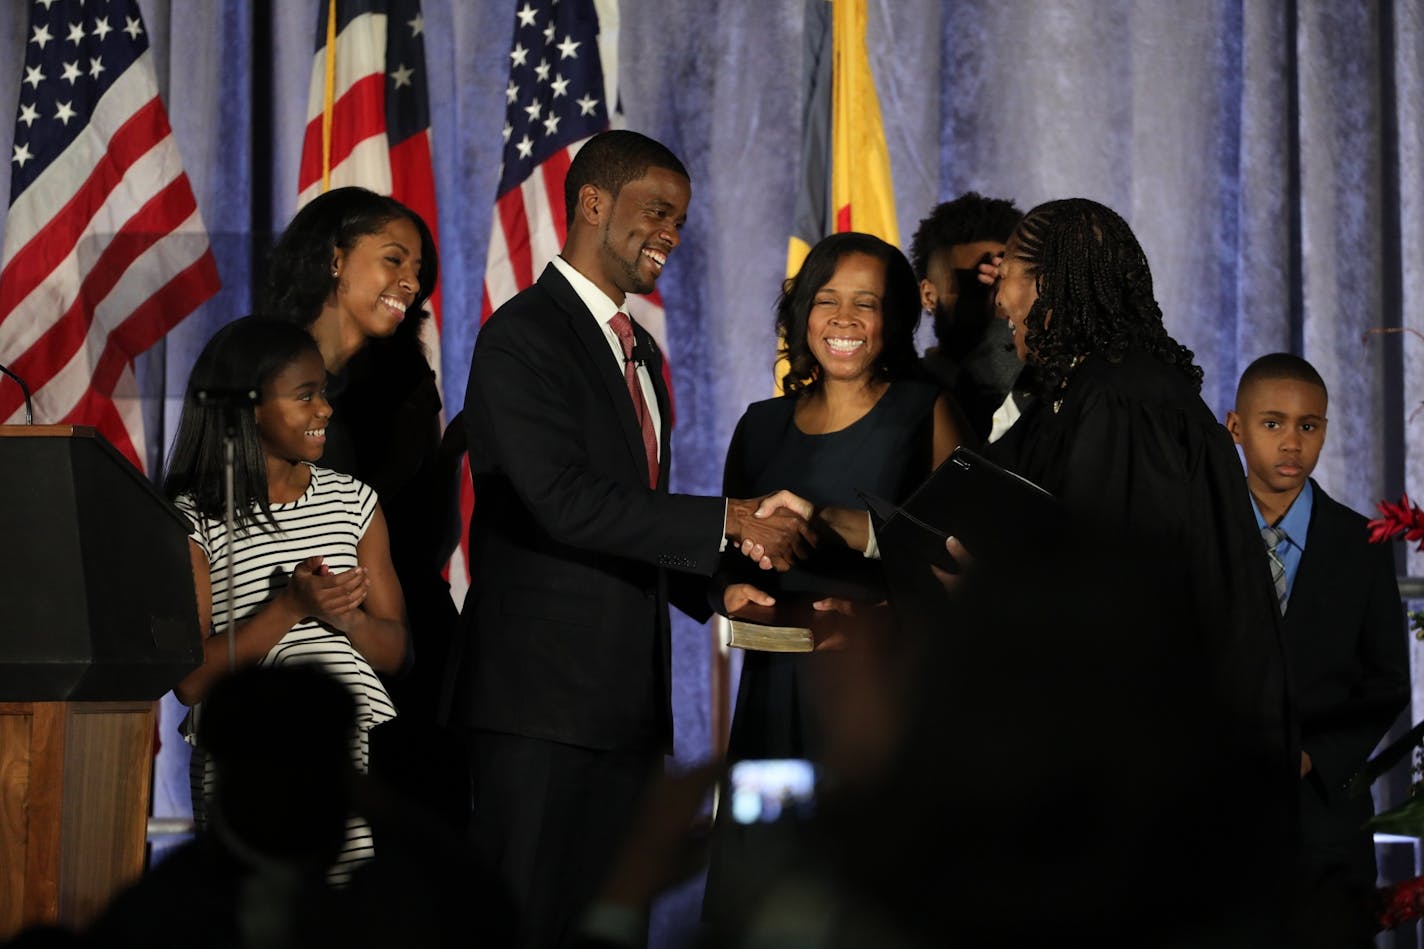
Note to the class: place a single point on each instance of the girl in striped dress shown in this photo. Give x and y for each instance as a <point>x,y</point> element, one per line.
<point>313,581</point>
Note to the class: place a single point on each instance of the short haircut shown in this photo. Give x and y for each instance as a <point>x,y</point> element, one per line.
<point>1273,366</point>
<point>967,219</point>
<point>610,160</point>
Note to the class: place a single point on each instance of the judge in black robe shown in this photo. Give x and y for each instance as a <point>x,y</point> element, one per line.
<point>1101,740</point>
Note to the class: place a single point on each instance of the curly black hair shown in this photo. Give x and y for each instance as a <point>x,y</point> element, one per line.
<point>969,218</point>
<point>299,276</point>
<point>900,310</point>
<point>1094,282</point>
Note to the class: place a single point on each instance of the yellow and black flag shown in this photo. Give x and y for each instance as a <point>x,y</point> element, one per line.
<point>845,163</point>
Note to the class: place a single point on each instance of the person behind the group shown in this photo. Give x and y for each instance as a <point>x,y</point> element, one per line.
<point>312,574</point>
<point>973,357</point>
<point>1343,628</point>
<point>1155,660</point>
<point>355,269</point>
<point>854,417</point>
<point>577,544</point>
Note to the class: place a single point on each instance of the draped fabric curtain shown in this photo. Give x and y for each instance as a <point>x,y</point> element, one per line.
<point>1268,155</point>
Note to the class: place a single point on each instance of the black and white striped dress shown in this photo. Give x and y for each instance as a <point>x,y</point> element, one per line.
<point>327,521</point>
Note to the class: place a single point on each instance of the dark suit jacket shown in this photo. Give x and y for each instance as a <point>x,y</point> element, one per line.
<point>1349,662</point>
<point>567,614</point>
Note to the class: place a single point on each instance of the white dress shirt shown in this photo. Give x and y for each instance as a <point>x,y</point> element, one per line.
<point>603,308</point>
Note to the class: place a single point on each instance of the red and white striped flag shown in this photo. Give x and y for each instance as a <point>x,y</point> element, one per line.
<point>562,89</point>
<point>105,250</point>
<point>368,114</point>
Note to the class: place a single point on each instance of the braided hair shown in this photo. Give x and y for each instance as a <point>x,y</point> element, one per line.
<point>1094,282</point>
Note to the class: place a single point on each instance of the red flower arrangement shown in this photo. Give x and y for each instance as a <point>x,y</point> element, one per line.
<point>1403,518</point>
<point>1401,903</point>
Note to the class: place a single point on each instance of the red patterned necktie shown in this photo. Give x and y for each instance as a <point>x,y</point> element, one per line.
<point>623,326</point>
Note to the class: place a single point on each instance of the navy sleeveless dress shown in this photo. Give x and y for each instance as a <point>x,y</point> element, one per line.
<point>887,452</point>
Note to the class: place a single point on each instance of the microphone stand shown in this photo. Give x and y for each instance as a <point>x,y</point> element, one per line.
<point>29,407</point>
<point>231,401</point>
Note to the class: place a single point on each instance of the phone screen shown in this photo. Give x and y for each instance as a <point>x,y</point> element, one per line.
<point>771,789</point>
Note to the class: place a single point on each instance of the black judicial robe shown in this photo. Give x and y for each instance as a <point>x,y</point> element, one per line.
<point>1098,741</point>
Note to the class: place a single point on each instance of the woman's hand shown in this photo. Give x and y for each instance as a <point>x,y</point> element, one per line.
<point>952,581</point>
<point>738,595</point>
<point>989,270</point>
<point>833,636</point>
<point>329,598</point>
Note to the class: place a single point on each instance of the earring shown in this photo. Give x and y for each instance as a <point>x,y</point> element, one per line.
<point>334,271</point>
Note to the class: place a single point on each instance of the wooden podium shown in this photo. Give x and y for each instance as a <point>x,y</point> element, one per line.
<point>98,619</point>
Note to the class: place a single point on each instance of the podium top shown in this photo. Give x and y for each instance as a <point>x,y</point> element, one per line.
<point>85,436</point>
<point>50,431</point>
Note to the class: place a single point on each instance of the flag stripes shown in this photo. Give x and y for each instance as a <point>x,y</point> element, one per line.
<point>104,249</point>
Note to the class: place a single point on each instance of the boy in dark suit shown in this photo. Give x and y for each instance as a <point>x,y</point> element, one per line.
<point>1344,640</point>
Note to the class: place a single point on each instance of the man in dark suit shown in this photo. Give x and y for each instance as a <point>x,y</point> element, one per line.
<point>1343,631</point>
<point>565,679</point>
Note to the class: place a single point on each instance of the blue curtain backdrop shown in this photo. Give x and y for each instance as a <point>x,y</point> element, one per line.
<point>1267,154</point>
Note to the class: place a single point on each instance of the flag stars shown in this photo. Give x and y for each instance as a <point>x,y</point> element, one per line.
<point>519,54</point>
<point>34,76</point>
<point>567,49</point>
<point>417,26</point>
<point>402,75</point>
<point>549,32</point>
<point>526,15</point>
<point>511,93</point>
<point>64,113</point>
<point>560,85</point>
<point>22,155</point>
<point>587,104</point>
<point>28,115</point>
<point>533,109</point>
<point>71,72</point>
<point>525,146</point>
<point>102,27</point>
<point>551,124</point>
<point>76,33</point>
<point>542,70</point>
<point>132,27</point>
<point>95,67</point>
<point>507,132</point>
<point>42,35</point>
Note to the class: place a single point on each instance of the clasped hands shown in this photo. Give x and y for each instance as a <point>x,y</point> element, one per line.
<point>774,531</point>
<point>330,598</point>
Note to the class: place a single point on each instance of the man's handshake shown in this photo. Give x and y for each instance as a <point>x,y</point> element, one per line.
<point>774,530</point>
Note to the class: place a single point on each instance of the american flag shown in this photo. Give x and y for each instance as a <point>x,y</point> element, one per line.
<point>368,113</point>
<point>105,250</point>
<point>562,89</point>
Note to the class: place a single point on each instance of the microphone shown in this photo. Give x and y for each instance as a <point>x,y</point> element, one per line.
<point>640,355</point>
<point>29,407</point>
